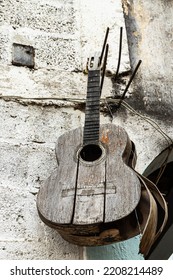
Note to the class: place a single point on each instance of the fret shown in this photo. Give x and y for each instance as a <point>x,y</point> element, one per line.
<point>92,110</point>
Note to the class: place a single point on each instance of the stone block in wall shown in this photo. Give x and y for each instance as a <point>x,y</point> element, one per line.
<point>62,52</point>
<point>6,45</point>
<point>55,16</point>
<point>46,83</point>
<point>22,123</point>
<point>52,51</point>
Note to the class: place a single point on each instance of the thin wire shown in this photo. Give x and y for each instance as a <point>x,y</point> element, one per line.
<point>151,122</point>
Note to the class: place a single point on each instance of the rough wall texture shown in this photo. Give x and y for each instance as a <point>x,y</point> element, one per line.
<point>62,34</point>
<point>149,29</point>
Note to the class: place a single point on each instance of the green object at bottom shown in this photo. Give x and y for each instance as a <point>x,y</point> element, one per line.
<point>126,250</point>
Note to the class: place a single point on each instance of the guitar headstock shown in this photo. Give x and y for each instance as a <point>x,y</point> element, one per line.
<point>93,62</point>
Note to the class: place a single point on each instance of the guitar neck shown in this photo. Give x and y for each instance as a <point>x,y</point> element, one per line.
<point>92,111</point>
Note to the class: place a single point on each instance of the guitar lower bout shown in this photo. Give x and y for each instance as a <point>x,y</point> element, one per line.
<point>92,184</point>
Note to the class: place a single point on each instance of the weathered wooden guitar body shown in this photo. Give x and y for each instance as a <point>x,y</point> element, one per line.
<point>92,195</point>
<point>84,197</point>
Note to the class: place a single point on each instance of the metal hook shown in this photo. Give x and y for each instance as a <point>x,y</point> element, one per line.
<point>129,83</point>
<point>104,44</point>
<point>104,68</point>
<point>120,51</point>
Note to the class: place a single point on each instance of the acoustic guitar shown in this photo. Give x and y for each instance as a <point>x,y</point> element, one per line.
<point>94,189</point>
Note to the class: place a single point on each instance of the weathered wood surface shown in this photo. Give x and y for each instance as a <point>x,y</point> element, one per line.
<point>149,32</point>
<point>123,188</point>
<point>120,230</point>
<point>56,197</point>
<point>89,204</point>
<point>87,193</point>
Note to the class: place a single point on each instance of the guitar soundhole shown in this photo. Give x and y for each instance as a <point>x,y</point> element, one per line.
<point>91,152</point>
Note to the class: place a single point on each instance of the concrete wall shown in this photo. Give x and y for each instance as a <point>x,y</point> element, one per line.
<point>149,29</point>
<point>62,33</point>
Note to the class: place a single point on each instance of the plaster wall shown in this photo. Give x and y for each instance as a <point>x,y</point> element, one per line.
<point>149,29</point>
<point>62,33</point>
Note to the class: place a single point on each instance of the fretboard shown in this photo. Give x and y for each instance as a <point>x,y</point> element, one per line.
<point>92,111</point>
